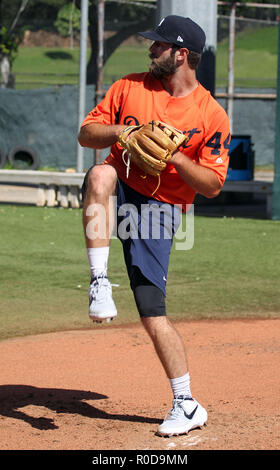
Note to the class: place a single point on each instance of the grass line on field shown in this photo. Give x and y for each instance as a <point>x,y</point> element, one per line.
<point>233,270</point>
<point>255,63</point>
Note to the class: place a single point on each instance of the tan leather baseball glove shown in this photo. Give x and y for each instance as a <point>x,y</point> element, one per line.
<point>150,146</point>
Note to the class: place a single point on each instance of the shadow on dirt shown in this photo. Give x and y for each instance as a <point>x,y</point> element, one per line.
<point>14,398</point>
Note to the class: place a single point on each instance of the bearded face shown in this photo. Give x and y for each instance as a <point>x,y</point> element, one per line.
<point>163,66</point>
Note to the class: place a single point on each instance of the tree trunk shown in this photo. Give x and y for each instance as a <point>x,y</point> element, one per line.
<point>5,71</point>
<point>112,43</point>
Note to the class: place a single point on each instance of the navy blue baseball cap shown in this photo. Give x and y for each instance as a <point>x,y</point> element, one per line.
<point>178,30</point>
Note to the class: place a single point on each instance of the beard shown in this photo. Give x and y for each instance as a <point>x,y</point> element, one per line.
<point>164,68</point>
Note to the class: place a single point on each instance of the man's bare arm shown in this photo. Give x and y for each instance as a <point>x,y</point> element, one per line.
<point>203,180</point>
<point>99,136</point>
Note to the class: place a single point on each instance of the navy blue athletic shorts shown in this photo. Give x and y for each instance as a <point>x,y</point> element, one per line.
<point>146,228</point>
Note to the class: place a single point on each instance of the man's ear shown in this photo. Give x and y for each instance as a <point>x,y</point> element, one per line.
<point>182,54</point>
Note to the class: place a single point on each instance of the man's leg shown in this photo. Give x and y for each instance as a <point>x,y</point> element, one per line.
<point>168,345</point>
<point>151,305</point>
<point>186,412</point>
<point>97,223</point>
<point>100,185</point>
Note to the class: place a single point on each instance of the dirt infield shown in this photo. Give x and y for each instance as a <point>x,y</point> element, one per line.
<point>104,388</point>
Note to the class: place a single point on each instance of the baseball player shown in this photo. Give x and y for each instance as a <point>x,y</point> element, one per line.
<point>170,93</point>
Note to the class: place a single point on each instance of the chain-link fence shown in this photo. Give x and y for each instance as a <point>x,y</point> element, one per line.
<point>41,111</point>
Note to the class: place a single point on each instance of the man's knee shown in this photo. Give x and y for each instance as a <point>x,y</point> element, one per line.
<point>100,179</point>
<point>150,301</point>
<point>149,298</point>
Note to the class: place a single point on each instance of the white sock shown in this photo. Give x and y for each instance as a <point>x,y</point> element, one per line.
<point>98,260</point>
<point>181,386</point>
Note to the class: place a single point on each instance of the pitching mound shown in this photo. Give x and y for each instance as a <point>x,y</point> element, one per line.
<point>104,388</point>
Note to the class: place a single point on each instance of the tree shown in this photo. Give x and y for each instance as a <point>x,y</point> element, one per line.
<point>68,21</point>
<point>15,17</point>
<point>253,11</point>
<point>128,18</point>
<point>9,41</point>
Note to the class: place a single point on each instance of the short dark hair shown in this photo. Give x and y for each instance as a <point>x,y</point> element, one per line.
<point>194,58</point>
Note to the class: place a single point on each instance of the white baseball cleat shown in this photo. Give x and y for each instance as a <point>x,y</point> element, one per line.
<point>186,414</point>
<point>101,304</point>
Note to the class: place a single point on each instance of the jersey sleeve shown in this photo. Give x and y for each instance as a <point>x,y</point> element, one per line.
<point>106,112</point>
<point>214,151</point>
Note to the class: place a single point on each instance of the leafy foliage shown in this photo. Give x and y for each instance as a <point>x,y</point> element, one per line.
<point>8,44</point>
<point>68,13</point>
<point>252,12</point>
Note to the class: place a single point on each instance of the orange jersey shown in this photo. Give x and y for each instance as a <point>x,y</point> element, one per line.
<point>139,98</point>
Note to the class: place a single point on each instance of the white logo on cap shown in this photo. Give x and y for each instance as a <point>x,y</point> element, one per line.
<point>180,39</point>
<point>161,21</point>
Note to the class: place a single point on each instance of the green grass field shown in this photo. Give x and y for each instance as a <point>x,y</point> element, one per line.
<point>255,62</point>
<point>232,271</point>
